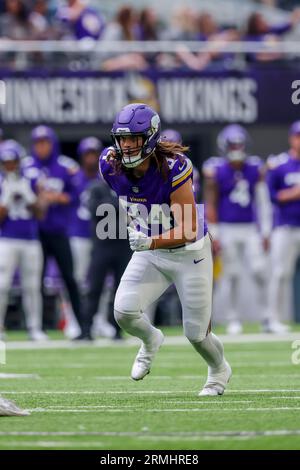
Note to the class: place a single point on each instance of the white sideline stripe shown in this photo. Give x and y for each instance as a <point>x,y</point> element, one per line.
<point>190,377</point>
<point>55,444</point>
<point>85,406</point>
<point>19,376</point>
<point>161,410</point>
<point>169,340</point>
<point>286,398</point>
<point>206,402</point>
<point>137,392</point>
<point>145,434</point>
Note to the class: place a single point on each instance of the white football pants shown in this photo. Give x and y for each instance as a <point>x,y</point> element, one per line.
<point>150,273</point>
<point>285,250</point>
<point>27,256</point>
<point>81,252</point>
<point>241,249</point>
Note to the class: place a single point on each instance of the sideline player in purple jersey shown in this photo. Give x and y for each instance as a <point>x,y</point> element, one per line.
<point>88,152</point>
<point>57,191</point>
<point>236,198</point>
<point>283,178</point>
<point>19,244</point>
<point>150,174</point>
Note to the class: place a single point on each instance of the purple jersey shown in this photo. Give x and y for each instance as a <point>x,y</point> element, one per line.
<point>20,223</point>
<point>80,219</point>
<point>284,172</point>
<point>236,188</point>
<point>56,174</point>
<point>152,191</point>
<point>89,24</point>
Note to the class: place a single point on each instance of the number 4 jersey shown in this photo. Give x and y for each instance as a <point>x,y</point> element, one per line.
<point>20,223</point>
<point>148,198</point>
<point>236,188</point>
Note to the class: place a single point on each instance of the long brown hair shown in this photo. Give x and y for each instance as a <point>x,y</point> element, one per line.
<point>163,150</point>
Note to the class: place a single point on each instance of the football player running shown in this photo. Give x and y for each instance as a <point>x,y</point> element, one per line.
<point>19,244</point>
<point>283,178</point>
<point>236,197</point>
<point>168,248</point>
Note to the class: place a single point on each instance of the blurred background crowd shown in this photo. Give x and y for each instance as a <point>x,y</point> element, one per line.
<point>265,22</point>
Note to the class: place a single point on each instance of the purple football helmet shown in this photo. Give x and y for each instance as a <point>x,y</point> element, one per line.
<point>136,119</point>
<point>10,150</point>
<point>232,141</point>
<point>89,144</point>
<point>295,128</point>
<point>170,135</point>
<point>43,132</point>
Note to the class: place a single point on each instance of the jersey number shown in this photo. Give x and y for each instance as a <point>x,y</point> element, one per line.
<point>240,194</point>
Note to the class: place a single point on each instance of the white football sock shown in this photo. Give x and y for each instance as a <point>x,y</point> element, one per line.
<point>211,349</point>
<point>136,324</point>
<point>33,309</point>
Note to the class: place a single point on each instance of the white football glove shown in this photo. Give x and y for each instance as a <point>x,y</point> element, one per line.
<point>138,241</point>
<point>7,193</point>
<point>25,190</point>
<point>10,188</point>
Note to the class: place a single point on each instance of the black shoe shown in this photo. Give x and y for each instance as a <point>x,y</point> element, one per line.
<point>83,337</point>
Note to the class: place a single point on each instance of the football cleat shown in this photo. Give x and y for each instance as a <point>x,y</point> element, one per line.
<point>274,326</point>
<point>142,364</point>
<point>84,336</point>
<point>216,381</point>
<point>9,408</point>
<point>234,328</point>
<point>37,335</point>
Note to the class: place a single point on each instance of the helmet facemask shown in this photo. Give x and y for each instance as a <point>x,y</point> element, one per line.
<point>133,156</point>
<point>236,151</point>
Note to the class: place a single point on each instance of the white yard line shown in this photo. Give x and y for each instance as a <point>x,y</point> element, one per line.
<point>162,410</point>
<point>262,364</point>
<point>145,434</point>
<point>138,392</point>
<point>285,398</point>
<point>206,402</point>
<point>94,392</point>
<point>19,376</point>
<point>169,340</point>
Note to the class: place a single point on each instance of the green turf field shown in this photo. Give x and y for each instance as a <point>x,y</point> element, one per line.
<point>83,398</point>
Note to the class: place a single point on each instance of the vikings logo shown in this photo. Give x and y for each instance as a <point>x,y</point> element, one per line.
<point>155,122</point>
<point>141,88</point>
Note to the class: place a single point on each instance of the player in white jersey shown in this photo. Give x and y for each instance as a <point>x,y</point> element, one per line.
<point>19,244</point>
<point>155,176</point>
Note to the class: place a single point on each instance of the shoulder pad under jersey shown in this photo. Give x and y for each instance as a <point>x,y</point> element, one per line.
<point>274,161</point>
<point>70,164</point>
<point>210,166</point>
